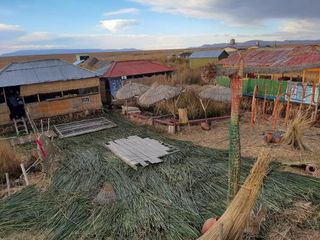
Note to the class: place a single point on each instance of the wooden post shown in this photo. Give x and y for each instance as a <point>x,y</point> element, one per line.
<point>253,106</point>
<point>24,174</point>
<point>41,123</point>
<point>288,107</point>
<point>5,96</point>
<point>48,129</point>
<point>8,183</point>
<point>317,104</point>
<point>303,75</point>
<point>304,87</point>
<point>275,113</point>
<point>265,100</point>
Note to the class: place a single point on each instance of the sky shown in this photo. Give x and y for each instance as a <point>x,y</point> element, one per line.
<point>152,24</point>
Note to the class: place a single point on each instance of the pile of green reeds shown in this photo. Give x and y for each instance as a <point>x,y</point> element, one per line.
<point>170,200</point>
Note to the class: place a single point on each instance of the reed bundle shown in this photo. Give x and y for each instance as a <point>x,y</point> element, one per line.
<point>232,223</point>
<point>295,131</point>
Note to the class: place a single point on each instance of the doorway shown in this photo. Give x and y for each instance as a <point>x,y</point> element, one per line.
<point>15,102</point>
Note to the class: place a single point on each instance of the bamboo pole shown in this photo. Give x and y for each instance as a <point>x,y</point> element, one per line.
<point>8,183</point>
<point>24,174</point>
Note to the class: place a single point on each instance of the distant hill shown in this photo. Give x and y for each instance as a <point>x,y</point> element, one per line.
<point>62,51</point>
<point>263,43</point>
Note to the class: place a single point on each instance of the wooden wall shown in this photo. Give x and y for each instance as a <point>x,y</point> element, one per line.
<point>64,106</point>
<point>28,90</point>
<point>200,62</point>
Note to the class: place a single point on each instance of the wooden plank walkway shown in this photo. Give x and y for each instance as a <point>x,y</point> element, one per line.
<point>83,127</point>
<point>136,151</point>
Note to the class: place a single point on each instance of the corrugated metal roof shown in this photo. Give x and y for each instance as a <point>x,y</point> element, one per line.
<point>41,71</point>
<point>135,67</point>
<point>288,59</point>
<point>206,54</point>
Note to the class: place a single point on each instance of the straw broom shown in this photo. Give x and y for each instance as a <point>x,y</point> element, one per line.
<point>232,223</point>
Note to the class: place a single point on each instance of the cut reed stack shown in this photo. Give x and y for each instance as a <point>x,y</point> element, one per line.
<point>232,223</point>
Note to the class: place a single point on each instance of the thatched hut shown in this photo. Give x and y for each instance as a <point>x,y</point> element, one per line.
<point>131,90</point>
<point>157,94</point>
<point>216,93</point>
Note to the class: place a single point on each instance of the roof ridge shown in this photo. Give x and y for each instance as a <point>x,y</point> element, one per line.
<point>38,60</point>
<point>78,67</point>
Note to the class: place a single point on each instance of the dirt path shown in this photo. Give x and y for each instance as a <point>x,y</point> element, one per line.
<point>252,140</point>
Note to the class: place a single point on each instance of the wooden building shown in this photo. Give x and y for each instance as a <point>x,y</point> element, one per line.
<point>47,88</point>
<point>202,58</point>
<point>139,71</point>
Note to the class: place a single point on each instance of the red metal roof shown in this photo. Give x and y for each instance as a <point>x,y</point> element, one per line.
<point>276,57</point>
<point>136,67</point>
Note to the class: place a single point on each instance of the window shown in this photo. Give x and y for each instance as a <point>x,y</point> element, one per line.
<point>31,99</point>
<point>265,76</point>
<point>47,96</point>
<point>86,91</point>
<point>73,92</point>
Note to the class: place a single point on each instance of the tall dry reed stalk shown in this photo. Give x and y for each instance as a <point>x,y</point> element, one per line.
<point>9,161</point>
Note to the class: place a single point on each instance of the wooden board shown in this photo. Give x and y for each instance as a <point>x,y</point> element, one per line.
<point>136,151</point>
<point>83,127</point>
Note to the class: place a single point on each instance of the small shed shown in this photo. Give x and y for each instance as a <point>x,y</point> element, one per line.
<point>138,71</point>
<point>48,88</point>
<point>202,58</point>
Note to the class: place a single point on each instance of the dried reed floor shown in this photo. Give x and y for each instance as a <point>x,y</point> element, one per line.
<point>252,140</point>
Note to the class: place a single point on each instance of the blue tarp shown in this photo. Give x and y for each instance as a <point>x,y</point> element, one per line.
<point>115,85</point>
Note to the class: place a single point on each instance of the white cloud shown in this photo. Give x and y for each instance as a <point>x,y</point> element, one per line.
<point>122,11</point>
<point>8,27</point>
<point>37,37</point>
<point>303,25</point>
<point>235,12</point>
<point>117,25</point>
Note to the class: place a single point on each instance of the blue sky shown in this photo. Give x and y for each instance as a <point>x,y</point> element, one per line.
<point>157,24</point>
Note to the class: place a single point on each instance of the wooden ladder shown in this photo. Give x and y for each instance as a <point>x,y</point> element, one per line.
<point>20,126</point>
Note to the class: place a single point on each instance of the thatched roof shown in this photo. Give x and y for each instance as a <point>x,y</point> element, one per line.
<point>131,90</point>
<point>216,93</point>
<point>158,93</point>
